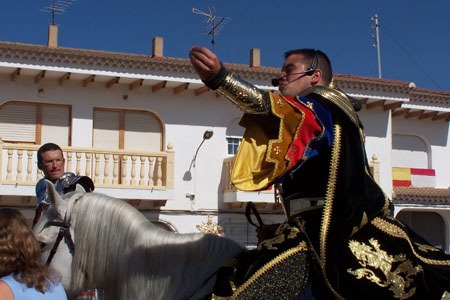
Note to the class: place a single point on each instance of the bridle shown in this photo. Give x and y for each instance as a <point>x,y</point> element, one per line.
<point>64,232</point>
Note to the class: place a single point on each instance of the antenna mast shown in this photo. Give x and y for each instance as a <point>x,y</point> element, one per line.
<point>214,22</point>
<point>376,42</point>
<point>58,7</point>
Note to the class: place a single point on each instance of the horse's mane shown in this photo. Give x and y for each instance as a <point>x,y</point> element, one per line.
<point>117,246</point>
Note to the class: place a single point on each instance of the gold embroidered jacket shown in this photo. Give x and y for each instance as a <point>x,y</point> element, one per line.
<point>357,240</point>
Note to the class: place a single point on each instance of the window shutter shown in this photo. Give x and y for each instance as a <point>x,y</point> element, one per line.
<point>18,122</point>
<point>142,132</point>
<point>55,124</point>
<point>106,129</point>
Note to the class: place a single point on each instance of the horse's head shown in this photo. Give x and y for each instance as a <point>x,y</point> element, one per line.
<point>54,233</point>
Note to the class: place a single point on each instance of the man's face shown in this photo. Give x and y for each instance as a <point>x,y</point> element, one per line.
<point>52,164</point>
<point>293,84</point>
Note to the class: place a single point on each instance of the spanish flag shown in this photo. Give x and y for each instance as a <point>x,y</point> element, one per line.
<point>413,177</point>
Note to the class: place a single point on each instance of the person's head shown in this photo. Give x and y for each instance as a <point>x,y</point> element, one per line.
<point>19,251</point>
<point>51,161</point>
<point>302,69</point>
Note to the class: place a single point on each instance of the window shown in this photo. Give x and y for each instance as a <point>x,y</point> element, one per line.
<point>234,136</point>
<point>233,145</point>
<point>409,151</point>
<point>127,129</point>
<point>35,123</point>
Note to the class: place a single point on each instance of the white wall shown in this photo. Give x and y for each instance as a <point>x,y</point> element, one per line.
<point>436,135</point>
<point>377,127</point>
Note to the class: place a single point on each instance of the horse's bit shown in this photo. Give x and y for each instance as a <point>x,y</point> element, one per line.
<point>64,232</point>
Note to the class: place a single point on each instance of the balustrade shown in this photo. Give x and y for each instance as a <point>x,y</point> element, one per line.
<point>107,168</point>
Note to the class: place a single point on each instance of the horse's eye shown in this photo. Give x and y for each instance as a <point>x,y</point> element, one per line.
<point>42,246</point>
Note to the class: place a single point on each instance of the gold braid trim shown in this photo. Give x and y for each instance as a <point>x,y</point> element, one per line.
<point>301,247</point>
<point>336,97</point>
<point>329,204</point>
<point>387,202</point>
<point>396,231</point>
<point>246,96</point>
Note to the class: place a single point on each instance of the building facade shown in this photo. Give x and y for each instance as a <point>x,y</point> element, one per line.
<point>147,130</point>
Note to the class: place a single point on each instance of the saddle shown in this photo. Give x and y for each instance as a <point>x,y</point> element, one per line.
<point>277,269</point>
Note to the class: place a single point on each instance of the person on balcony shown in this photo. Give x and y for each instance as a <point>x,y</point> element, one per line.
<point>340,240</point>
<point>22,276</point>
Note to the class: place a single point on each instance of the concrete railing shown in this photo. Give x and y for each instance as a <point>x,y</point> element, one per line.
<point>107,168</point>
<point>228,164</point>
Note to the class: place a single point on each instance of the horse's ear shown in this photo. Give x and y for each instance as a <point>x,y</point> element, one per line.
<point>79,188</point>
<point>52,195</point>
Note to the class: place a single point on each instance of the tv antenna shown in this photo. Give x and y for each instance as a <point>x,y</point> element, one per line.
<point>58,7</point>
<point>214,23</point>
<point>376,42</point>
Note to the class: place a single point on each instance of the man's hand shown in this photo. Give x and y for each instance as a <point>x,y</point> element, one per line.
<point>205,62</point>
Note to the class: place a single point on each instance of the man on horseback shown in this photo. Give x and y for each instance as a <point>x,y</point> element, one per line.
<point>339,239</point>
<point>51,162</point>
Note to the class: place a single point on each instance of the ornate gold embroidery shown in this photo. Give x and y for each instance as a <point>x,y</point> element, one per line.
<point>210,227</point>
<point>310,105</point>
<point>329,203</point>
<point>280,103</point>
<point>446,296</point>
<point>376,262</point>
<point>277,150</point>
<point>279,237</point>
<point>292,261</point>
<point>426,248</point>
<point>389,228</point>
<point>396,231</point>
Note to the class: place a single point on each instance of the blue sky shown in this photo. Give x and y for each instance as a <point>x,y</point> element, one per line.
<point>414,34</point>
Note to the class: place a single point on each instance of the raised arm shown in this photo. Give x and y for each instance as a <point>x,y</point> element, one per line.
<point>246,96</point>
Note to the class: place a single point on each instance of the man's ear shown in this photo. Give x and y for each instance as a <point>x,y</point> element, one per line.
<point>39,165</point>
<point>316,77</point>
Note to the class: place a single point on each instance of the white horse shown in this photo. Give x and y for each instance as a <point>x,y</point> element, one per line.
<point>120,252</point>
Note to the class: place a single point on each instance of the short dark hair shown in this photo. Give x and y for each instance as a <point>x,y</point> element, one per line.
<point>45,148</point>
<point>317,60</point>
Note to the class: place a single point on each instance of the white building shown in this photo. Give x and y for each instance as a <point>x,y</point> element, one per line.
<point>136,124</point>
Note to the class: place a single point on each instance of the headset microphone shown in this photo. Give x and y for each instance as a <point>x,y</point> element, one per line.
<point>276,81</point>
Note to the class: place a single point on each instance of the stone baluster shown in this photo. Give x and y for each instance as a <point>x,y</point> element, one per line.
<point>19,165</point>
<point>116,169</point>
<point>97,168</point>
<point>69,162</point>
<point>9,165</point>
<point>124,170</point>
<point>142,170</point>
<point>88,164</point>
<point>151,166</point>
<point>106,179</point>
<point>78,166</point>
<point>159,171</point>
<point>133,170</point>
<point>30,165</point>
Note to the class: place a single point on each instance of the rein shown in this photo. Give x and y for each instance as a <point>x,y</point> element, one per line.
<point>64,232</point>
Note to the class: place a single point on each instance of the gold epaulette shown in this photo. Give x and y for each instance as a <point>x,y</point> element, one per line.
<point>336,98</point>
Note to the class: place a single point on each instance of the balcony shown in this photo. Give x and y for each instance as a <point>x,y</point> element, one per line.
<point>236,199</point>
<point>264,200</point>
<point>123,174</point>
